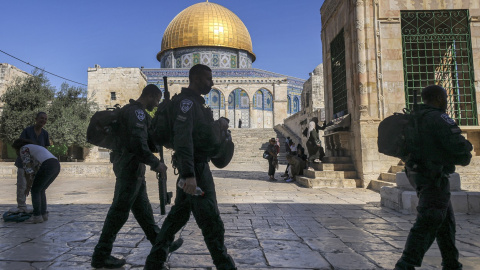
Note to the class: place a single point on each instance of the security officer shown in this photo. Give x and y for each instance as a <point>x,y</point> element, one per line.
<point>129,167</point>
<point>442,147</point>
<point>193,130</point>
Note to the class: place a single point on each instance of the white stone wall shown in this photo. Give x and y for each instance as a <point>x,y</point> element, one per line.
<point>126,83</point>
<point>313,91</point>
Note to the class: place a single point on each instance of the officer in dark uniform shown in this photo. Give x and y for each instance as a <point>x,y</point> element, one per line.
<point>129,167</point>
<point>441,148</point>
<point>192,127</point>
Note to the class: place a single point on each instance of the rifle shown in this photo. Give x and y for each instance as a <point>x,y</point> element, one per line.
<point>165,196</point>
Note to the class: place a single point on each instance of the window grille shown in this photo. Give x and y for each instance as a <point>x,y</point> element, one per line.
<point>339,79</point>
<point>113,96</point>
<point>437,50</point>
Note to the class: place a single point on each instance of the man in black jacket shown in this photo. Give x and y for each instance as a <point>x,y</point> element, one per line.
<point>441,147</point>
<point>129,167</point>
<point>193,132</point>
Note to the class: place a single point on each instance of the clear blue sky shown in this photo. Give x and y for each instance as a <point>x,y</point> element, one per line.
<point>67,37</point>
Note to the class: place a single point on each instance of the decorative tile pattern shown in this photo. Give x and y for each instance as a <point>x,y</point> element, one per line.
<point>187,61</point>
<point>178,63</point>
<point>205,58</point>
<point>196,58</point>
<point>295,85</point>
<point>243,62</point>
<point>168,61</point>
<point>233,61</point>
<point>224,61</point>
<point>215,60</point>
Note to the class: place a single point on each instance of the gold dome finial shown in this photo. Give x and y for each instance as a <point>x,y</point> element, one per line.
<point>209,25</point>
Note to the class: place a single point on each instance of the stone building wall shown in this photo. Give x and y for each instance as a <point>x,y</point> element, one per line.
<point>277,87</point>
<point>312,105</point>
<point>8,74</point>
<point>313,91</point>
<point>110,86</point>
<point>374,73</point>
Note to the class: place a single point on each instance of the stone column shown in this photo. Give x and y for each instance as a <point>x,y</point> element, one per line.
<point>226,107</point>
<point>362,58</point>
<point>250,112</point>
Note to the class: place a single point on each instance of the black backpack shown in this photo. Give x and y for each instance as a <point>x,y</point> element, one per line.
<point>104,127</point>
<point>161,131</point>
<point>398,134</point>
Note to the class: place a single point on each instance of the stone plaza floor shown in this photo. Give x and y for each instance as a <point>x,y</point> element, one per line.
<point>269,225</point>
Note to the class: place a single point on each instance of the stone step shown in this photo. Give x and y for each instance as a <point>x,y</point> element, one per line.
<point>333,166</point>
<point>471,186</point>
<point>327,182</point>
<point>388,177</point>
<point>376,185</point>
<point>8,171</point>
<point>337,160</point>
<point>396,168</point>
<point>330,174</point>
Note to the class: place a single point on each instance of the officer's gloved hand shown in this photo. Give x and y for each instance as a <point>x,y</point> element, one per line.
<point>161,169</point>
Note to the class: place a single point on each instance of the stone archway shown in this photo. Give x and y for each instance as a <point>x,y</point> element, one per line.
<point>216,101</point>
<point>239,108</point>
<point>262,109</point>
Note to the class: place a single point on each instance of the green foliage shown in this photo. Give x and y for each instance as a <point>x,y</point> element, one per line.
<point>69,116</point>
<point>69,110</point>
<point>23,99</point>
<point>58,150</point>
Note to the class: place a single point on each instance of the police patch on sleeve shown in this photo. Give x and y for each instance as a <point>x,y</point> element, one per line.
<point>447,119</point>
<point>185,105</point>
<point>140,114</point>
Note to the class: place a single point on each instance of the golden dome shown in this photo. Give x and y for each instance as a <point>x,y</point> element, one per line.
<point>206,24</point>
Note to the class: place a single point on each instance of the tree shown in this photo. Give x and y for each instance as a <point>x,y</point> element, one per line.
<point>23,100</point>
<point>69,116</point>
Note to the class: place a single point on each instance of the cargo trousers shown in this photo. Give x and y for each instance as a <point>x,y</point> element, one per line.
<point>206,213</point>
<point>130,194</point>
<point>435,221</point>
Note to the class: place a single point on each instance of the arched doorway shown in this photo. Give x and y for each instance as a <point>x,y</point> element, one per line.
<point>263,109</point>
<point>239,108</point>
<point>216,101</point>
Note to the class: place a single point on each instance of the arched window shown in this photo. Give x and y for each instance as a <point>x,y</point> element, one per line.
<point>258,100</point>
<point>238,108</point>
<point>296,104</point>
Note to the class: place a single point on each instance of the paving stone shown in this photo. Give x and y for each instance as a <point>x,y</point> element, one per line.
<point>30,252</point>
<point>276,234</point>
<point>325,245</point>
<point>16,265</point>
<point>348,260</point>
<point>316,229</point>
<point>288,254</point>
<point>368,246</point>
<point>384,259</point>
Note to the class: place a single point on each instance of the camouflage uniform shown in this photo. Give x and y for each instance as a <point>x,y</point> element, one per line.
<point>130,188</point>
<point>193,146</point>
<point>442,147</point>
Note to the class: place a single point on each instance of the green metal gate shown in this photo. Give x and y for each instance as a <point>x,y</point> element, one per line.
<point>339,76</point>
<point>437,50</point>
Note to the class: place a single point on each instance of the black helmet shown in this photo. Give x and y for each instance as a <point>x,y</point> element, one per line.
<point>225,152</point>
